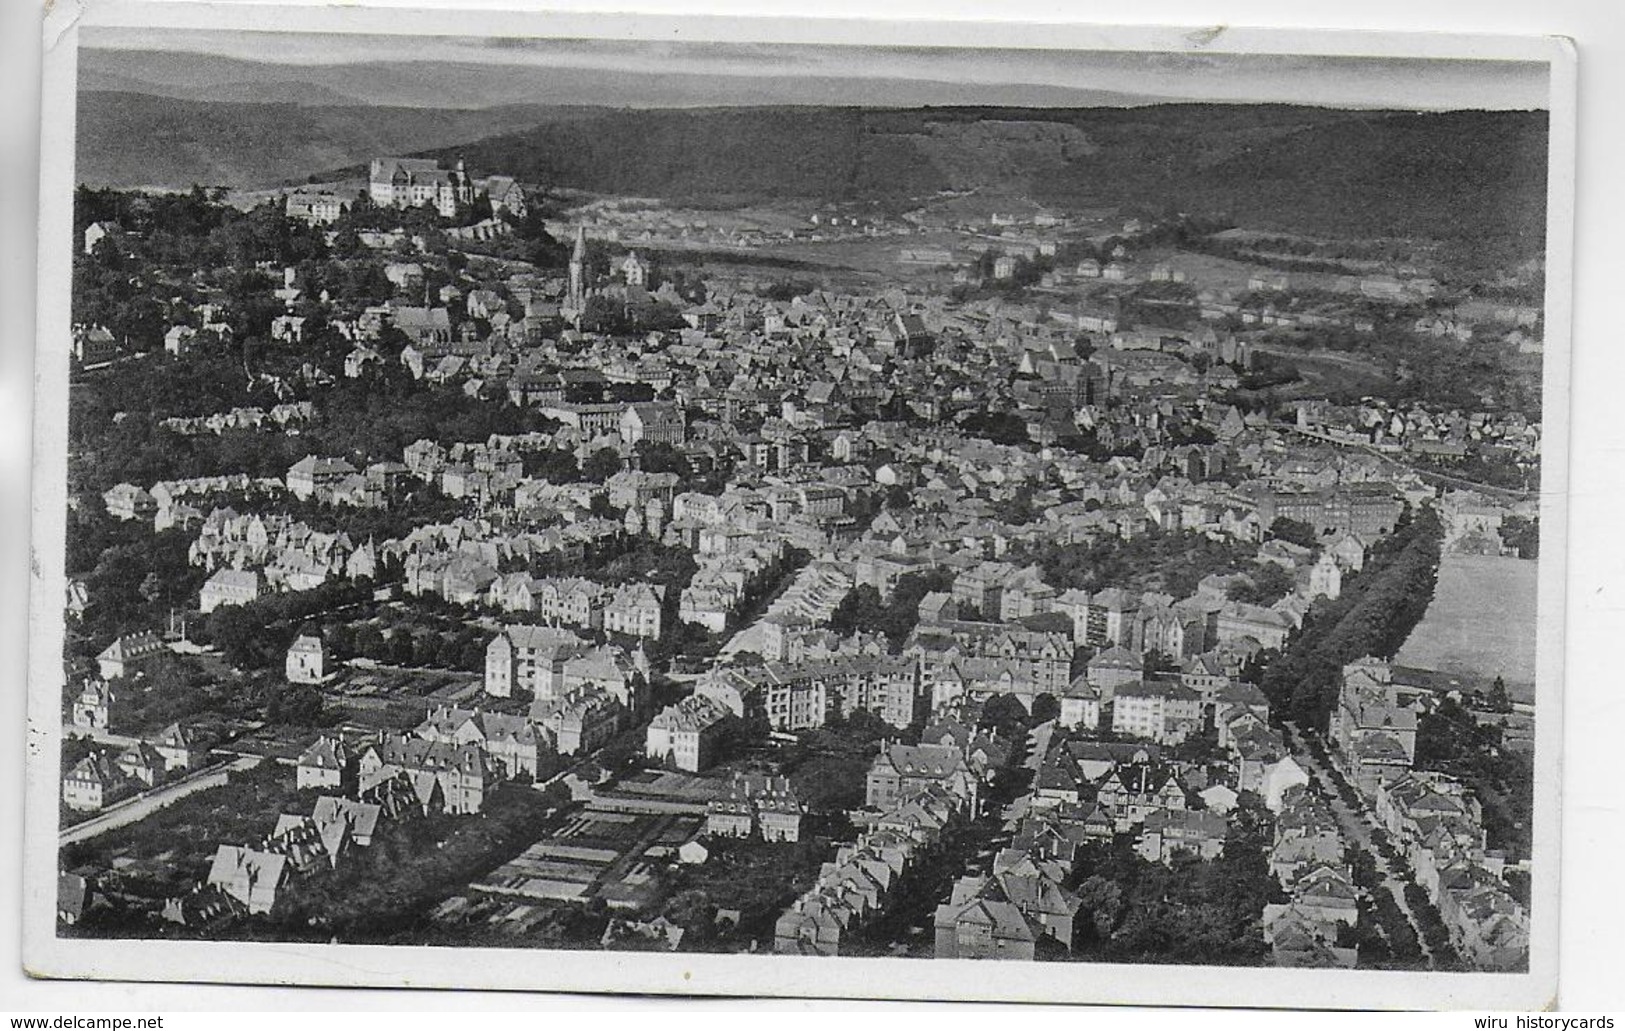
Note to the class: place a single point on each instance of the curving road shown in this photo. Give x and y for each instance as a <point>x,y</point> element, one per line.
<point>130,810</point>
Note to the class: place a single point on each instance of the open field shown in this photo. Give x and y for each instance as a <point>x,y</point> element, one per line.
<point>1326,372</point>
<point>1481,624</point>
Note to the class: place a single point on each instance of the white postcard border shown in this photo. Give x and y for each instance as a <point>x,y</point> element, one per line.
<point>46,955</point>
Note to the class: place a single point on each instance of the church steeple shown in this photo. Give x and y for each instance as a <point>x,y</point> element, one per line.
<point>578,270</point>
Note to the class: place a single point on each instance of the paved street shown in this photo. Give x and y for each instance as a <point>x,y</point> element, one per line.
<point>69,730</point>
<point>1357,825</point>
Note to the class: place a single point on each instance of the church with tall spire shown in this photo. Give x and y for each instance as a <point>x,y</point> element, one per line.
<point>630,285</point>
<point>575,297</point>
<point>578,271</point>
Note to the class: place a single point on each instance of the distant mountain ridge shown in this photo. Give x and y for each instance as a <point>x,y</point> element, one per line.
<point>134,139</point>
<point>1466,175</point>
<point>470,86</point>
<point>1473,177</point>
<point>304,94</point>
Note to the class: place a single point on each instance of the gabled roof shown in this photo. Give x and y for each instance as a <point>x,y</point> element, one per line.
<point>132,646</point>
<point>920,760</point>
<point>360,817</point>
<point>1117,657</point>
<point>325,753</point>
<point>543,638</point>
<point>305,643</point>
<point>242,579</point>
<point>176,736</point>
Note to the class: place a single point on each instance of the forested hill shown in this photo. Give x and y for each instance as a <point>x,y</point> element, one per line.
<point>1470,175</point>
<point>137,139</point>
<point>1476,178</point>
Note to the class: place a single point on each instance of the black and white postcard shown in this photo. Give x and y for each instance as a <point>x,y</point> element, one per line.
<point>812,508</point>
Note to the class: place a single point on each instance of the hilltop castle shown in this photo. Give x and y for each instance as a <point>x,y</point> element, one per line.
<point>410,182</point>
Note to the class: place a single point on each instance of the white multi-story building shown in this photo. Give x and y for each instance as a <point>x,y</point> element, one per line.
<point>413,182</point>
<point>687,732</point>
<point>230,587</point>
<point>529,658</point>
<point>306,660</point>
<point>1163,712</point>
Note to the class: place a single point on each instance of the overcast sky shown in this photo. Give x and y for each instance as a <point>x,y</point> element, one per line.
<point>733,67</point>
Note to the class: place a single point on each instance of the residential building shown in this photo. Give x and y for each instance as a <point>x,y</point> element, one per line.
<point>579,718</point>
<point>1169,832</point>
<point>900,771</point>
<point>1372,729</point>
<point>180,746</point>
<point>129,654</point>
<point>636,610</point>
<point>359,819</point>
<point>126,501</point>
<point>230,587</point>
<point>1163,711</point>
<point>1112,668</point>
<point>253,877</point>
<point>1133,792</point>
<point>312,476</point>
<point>529,659</point>
<point>306,661</point>
<point>1080,705</point>
<point>91,783</point>
<point>327,763</point>
<point>95,706</point>
<point>687,734</point>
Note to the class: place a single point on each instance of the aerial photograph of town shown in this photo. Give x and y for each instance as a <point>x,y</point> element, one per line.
<point>803,500</point>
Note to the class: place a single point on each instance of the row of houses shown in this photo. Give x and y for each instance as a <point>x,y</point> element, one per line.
<point>1026,658</point>
<point>858,884</point>
<point>1107,787</point>
<point>1308,859</point>
<point>105,775</point>
<point>438,773</point>
<point>756,805</point>
<point>546,662</point>
<point>1014,648</point>
<point>1437,824</point>
<point>291,415</point>
<point>1005,911</point>
<point>252,878</point>
<point>462,563</point>
<point>1085,791</point>
<point>1372,730</point>
<point>805,695</point>
<point>290,554</point>
<point>633,609</point>
<point>726,578</point>
<point>334,481</point>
